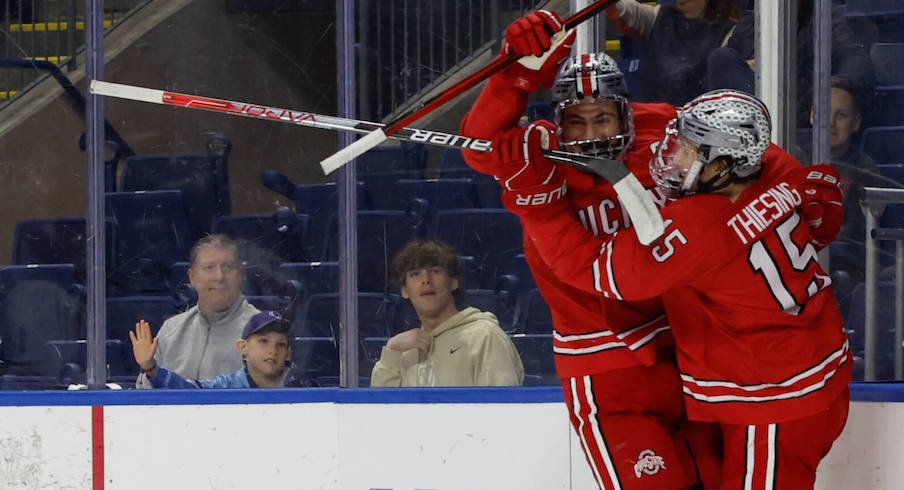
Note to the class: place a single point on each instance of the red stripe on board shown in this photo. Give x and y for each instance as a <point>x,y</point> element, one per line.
<point>97,447</point>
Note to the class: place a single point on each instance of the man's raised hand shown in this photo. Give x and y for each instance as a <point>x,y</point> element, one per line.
<point>144,345</point>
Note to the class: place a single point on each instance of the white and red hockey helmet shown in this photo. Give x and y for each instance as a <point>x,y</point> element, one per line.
<point>592,78</point>
<point>727,124</point>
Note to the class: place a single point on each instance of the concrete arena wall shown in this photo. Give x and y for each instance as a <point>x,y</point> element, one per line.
<point>436,439</point>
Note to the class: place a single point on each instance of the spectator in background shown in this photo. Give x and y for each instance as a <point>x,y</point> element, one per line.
<point>199,343</point>
<point>732,66</point>
<point>857,169</point>
<point>678,40</point>
<point>451,347</point>
<point>264,348</point>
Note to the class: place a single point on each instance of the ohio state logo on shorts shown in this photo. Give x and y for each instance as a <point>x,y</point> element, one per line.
<point>648,463</point>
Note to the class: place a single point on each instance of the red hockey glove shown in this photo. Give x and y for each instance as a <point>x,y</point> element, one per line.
<point>542,43</point>
<point>820,192</point>
<point>521,160</point>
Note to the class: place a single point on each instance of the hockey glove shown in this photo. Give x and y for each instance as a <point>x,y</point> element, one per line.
<point>539,39</point>
<point>821,196</point>
<point>521,161</point>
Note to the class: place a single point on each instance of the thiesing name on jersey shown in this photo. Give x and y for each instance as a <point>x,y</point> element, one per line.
<point>761,212</point>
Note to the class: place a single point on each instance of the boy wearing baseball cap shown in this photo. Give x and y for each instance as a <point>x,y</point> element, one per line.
<point>265,351</point>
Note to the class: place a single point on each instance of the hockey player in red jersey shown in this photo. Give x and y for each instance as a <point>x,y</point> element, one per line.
<point>757,332</point>
<point>615,359</point>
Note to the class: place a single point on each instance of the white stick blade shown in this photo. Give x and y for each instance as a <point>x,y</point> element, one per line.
<point>352,151</point>
<point>641,209</point>
<point>120,91</point>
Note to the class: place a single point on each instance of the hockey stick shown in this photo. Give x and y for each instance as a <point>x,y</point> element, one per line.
<point>635,199</point>
<point>373,139</point>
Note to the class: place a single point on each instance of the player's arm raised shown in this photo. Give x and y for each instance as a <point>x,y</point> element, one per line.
<point>503,101</point>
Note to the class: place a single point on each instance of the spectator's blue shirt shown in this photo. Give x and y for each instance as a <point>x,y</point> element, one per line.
<point>239,379</point>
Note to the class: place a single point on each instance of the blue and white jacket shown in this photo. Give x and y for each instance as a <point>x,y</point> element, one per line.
<point>239,379</point>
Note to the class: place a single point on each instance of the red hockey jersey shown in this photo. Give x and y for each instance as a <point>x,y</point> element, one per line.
<point>757,331</point>
<point>591,334</point>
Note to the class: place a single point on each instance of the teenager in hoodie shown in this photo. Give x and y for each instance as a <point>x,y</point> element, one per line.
<point>451,347</point>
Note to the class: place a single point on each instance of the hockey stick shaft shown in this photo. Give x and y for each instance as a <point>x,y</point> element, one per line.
<point>355,149</point>
<point>636,200</point>
<point>611,170</point>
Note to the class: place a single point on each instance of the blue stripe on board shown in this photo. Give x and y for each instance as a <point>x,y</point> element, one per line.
<point>864,392</point>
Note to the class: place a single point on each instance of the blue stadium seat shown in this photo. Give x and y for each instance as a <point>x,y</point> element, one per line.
<point>885,319</point>
<point>265,241</point>
<point>203,179</point>
<point>537,358</point>
<point>321,203</point>
<point>495,302</point>
<point>887,17</point>
<point>536,316</point>
<point>439,193</point>
<point>66,360</point>
<point>373,347</point>
<point>381,235</point>
<point>894,172</point>
<point>38,303</point>
<point>453,166</point>
<point>152,232</point>
<point>887,61</point>
<point>312,277</point>
<point>884,143</point>
<point>492,236</point>
<point>316,356</point>
<point>521,271</point>
<point>282,238</point>
<point>406,157</point>
<point>382,166</point>
<point>57,241</point>
<point>319,315</point>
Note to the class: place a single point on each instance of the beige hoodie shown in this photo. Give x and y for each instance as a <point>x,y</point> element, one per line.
<point>468,349</point>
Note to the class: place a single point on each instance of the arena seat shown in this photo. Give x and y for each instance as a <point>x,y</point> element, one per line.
<point>536,356</point>
<point>203,179</point>
<point>536,317</point>
<point>381,234</point>
<point>885,320</point>
<point>884,143</point>
<point>57,241</point>
<point>316,356</point>
<point>492,236</point>
<point>319,315</point>
<point>440,194</point>
<point>453,166</point>
<point>152,232</point>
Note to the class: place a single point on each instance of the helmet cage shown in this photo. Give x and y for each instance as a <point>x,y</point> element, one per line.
<point>610,147</point>
<point>677,164</point>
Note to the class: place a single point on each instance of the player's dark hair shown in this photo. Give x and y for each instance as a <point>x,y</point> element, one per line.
<point>421,254</point>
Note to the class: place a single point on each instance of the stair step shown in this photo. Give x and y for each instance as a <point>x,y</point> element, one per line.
<point>56,60</point>
<point>53,26</point>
